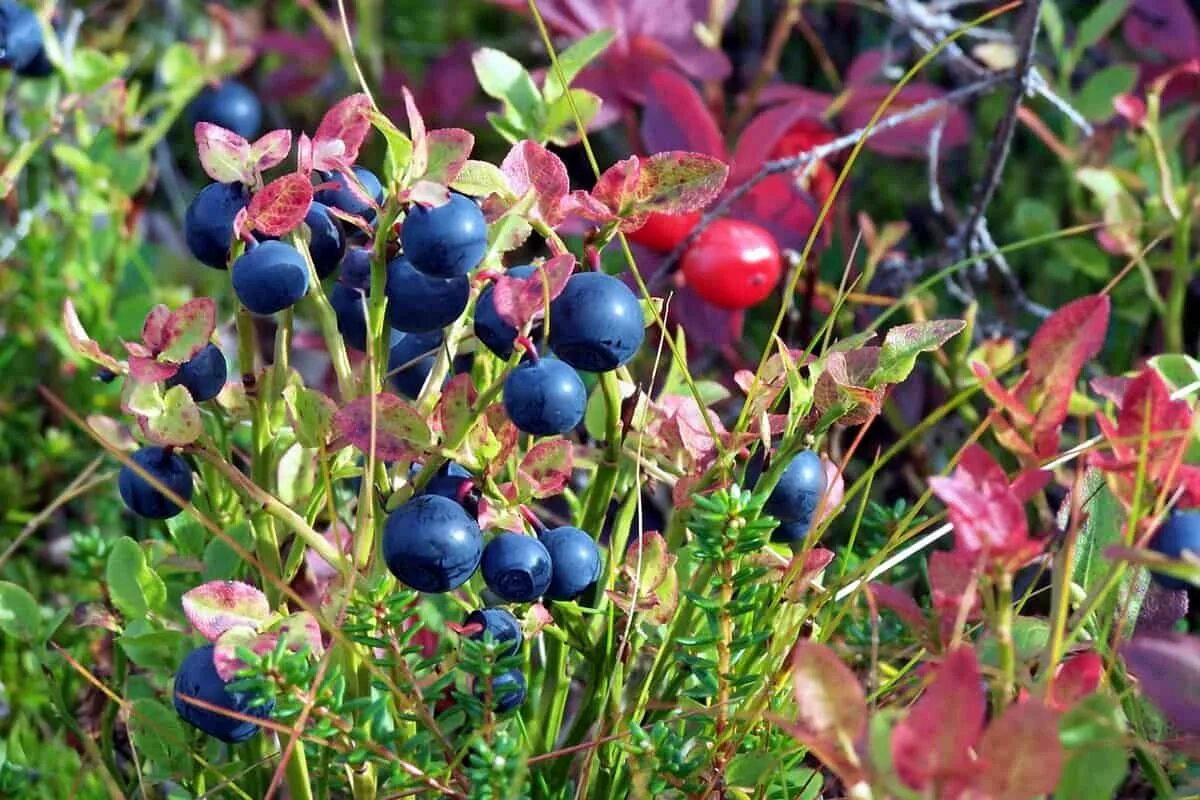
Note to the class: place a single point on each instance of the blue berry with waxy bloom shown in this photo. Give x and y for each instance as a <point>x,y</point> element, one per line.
<point>799,491</point>
<point>346,199</point>
<point>501,625</point>
<point>208,223</point>
<point>431,544</point>
<point>508,690</point>
<point>449,481</point>
<point>197,678</point>
<point>203,375</point>
<point>516,567</point>
<point>231,105</point>
<point>544,397</point>
<point>445,241</point>
<point>356,268</point>
<point>347,303</point>
<point>418,303</point>
<point>20,37</point>
<point>1179,532</point>
<point>596,324</point>
<point>575,562</point>
<point>792,531</point>
<point>411,359</point>
<point>270,277</point>
<point>168,468</point>
<point>327,240</point>
<point>490,328</point>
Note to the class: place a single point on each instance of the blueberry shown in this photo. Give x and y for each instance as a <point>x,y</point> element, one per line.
<point>105,375</point>
<point>170,469</point>
<point>792,532</point>
<point>327,244</point>
<point>508,691</point>
<point>431,544</point>
<point>575,562</point>
<point>347,200</point>
<point>270,277</point>
<point>204,375</point>
<point>1180,531</point>
<point>796,496</point>
<point>208,224</point>
<point>596,324</point>
<point>445,241</point>
<point>347,305</point>
<point>356,268</point>
<point>500,624</point>
<point>418,303</point>
<point>20,36</point>
<point>544,397</point>
<point>232,105</point>
<point>516,567</point>
<point>197,678</point>
<point>449,481</point>
<point>496,334</point>
<point>417,351</point>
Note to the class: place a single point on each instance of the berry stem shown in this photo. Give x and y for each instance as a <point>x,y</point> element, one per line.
<point>526,344</point>
<point>538,526</point>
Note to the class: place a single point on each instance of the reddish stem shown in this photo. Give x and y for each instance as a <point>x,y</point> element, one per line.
<point>526,344</point>
<point>538,526</point>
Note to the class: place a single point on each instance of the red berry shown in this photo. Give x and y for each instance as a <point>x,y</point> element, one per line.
<point>663,232</point>
<point>800,138</point>
<point>733,264</point>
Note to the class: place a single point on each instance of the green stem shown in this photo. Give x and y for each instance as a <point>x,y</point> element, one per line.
<point>1179,285</point>
<point>296,772</point>
<point>1004,640</point>
<point>327,320</point>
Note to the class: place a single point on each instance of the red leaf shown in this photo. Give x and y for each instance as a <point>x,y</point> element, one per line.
<point>617,187</point>
<point>677,182</point>
<point>1075,679</point>
<point>1167,667</point>
<point>419,160</point>
<point>582,204</point>
<point>1066,341</point>
<point>456,406</point>
<point>225,156</point>
<point>1021,754</point>
<point>280,206</point>
<point>153,327</point>
<point>950,579</point>
<point>215,607</point>
<point>449,149</point>
<point>1167,27</point>
<point>901,603</point>
<point>188,329</point>
<point>346,124</point>
<point>271,149</point>
<point>910,139</point>
<point>832,708</point>
<point>529,167</point>
<point>546,468</point>
<point>1131,107</point>
<point>675,117</point>
<point>933,742</point>
<point>145,369</point>
<point>400,429</point>
<point>82,343</point>
<point>519,300</point>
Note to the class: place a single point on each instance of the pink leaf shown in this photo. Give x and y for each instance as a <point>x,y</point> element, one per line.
<point>150,370</point>
<point>305,154</point>
<point>582,204</point>
<point>1167,668</point>
<point>676,118</point>
<point>215,607</point>
<point>901,603</point>
<point>271,149</point>
<point>1021,754</point>
<point>428,194</point>
<point>188,329</point>
<point>1066,341</point>
<point>83,344</point>
<point>520,300</point>
<point>419,160</point>
<point>832,708</point>
<point>281,205</point>
<point>546,468</point>
<point>910,139</point>
<point>677,182</point>
<point>454,413</point>
<point>1077,677</point>
<point>617,187</point>
<point>951,578</point>
<point>1167,27</point>
<point>400,428</point>
<point>449,149</point>
<point>933,742</point>
<point>225,654</point>
<point>152,329</point>
<point>225,156</point>
<point>529,167</point>
<point>348,124</point>
<point>1131,107</point>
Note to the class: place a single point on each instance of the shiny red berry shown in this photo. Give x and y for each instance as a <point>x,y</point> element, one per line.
<point>733,264</point>
<point>664,232</point>
<point>800,138</point>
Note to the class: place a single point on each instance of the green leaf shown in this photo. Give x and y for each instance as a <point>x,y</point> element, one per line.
<point>180,67</point>
<point>153,649</point>
<point>749,769</point>
<point>1093,733</point>
<point>1102,527</point>
<point>134,587</point>
<point>501,76</point>
<point>399,146</point>
<point>1096,25</point>
<point>20,616</point>
<point>560,127</point>
<point>480,179</point>
<point>904,343</point>
<point>220,560</point>
<point>1030,635</point>
<point>159,737</point>
<point>1095,99</point>
<point>311,413</point>
<point>1052,21</point>
<point>178,423</point>
<point>572,61</point>
<point>91,69</point>
<point>1177,369</point>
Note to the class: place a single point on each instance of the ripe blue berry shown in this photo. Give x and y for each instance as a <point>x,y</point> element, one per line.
<point>796,496</point>
<point>496,334</point>
<point>270,277</point>
<point>356,268</point>
<point>416,353</point>
<point>596,324</point>
<point>508,691</point>
<point>544,397</point>
<point>1180,531</point>
<point>327,242</point>
<point>20,37</point>
<point>197,678</point>
<point>445,241</point>
<point>347,200</point>
<point>208,224</point>
<point>232,105</point>
<point>500,624</point>
<point>449,481</point>
<point>792,532</point>
<point>575,562</point>
<point>347,305</point>
<point>516,567</point>
<point>431,544</point>
<point>204,375</point>
<point>418,303</point>
<point>170,469</point>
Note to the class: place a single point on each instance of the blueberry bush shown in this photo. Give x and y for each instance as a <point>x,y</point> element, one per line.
<point>564,399</point>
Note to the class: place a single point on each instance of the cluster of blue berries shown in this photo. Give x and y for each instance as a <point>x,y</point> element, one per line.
<point>22,46</point>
